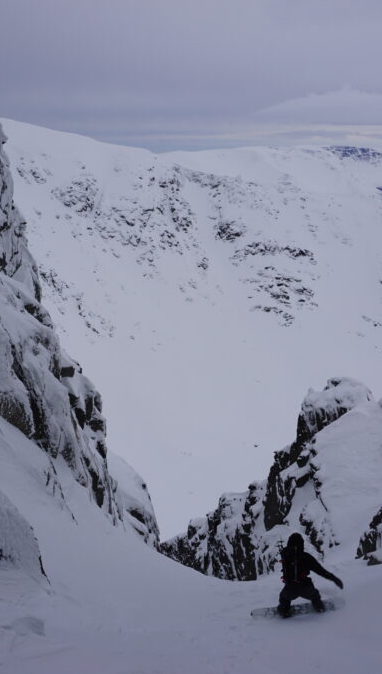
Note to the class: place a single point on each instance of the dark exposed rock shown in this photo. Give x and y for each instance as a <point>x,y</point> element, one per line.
<point>38,312</point>
<point>203,264</point>
<point>67,371</point>
<point>278,496</point>
<point>16,413</point>
<point>97,423</point>
<point>358,153</point>
<point>228,231</point>
<point>266,248</point>
<point>370,545</point>
<point>101,448</point>
<point>79,195</point>
<point>73,399</point>
<point>80,416</point>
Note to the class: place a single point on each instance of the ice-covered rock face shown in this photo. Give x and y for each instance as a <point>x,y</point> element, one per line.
<point>42,390</point>
<point>325,485</point>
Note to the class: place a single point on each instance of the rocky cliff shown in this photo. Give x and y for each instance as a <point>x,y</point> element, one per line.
<point>43,392</point>
<point>316,485</point>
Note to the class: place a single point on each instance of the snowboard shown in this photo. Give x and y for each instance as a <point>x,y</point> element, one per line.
<point>296,609</point>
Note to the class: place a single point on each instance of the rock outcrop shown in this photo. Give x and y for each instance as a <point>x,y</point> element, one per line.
<point>370,545</point>
<point>134,501</point>
<point>18,544</point>
<point>240,539</point>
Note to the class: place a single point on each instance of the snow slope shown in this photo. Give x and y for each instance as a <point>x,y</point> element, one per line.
<point>114,605</point>
<point>205,292</point>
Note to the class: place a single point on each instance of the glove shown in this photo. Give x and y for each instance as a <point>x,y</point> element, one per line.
<point>338,582</point>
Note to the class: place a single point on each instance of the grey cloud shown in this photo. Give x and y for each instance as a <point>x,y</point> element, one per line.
<point>85,65</point>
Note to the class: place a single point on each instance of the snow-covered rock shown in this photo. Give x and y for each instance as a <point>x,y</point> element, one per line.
<point>134,500</point>
<point>370,545</point>
<point>43,392</point>
<point>326,485</point>
<point>15,258</point>
<point>321,408</point>
<point>18,544</point>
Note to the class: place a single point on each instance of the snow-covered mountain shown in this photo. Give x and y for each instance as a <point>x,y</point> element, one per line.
<point>205,292</point>
<point>44,394</point>
<point>326,483</point>
<point>79,589</point>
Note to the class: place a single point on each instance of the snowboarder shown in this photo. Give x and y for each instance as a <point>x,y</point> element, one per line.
<point>297,564</point>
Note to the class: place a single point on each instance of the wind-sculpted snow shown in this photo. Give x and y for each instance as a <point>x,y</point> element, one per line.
<point>326,484</point>
<point>43,392</point>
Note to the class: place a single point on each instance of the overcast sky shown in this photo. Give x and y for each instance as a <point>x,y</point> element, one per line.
<point>168,74</point>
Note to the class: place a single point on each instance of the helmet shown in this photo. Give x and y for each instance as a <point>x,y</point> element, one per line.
<point>296,541</point>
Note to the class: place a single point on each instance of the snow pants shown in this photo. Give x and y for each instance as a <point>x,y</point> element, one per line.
<point>293,590</point>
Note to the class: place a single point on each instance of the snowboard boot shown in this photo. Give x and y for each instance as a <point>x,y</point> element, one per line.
<point>318,605</point>
<point>284,611</point>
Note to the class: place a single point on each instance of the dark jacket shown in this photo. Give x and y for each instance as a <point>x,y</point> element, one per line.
<point>297,564</point>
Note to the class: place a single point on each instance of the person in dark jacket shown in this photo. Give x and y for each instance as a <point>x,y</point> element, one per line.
<point>297,565</point>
